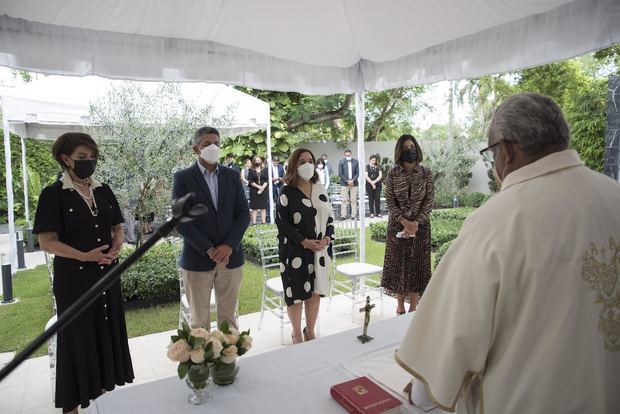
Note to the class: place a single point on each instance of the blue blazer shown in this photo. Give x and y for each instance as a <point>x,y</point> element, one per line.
<point>343,171</point>
<point>225,224</point>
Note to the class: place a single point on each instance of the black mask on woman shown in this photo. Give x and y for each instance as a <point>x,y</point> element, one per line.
<point>84,168</point>
<point>410,155</point>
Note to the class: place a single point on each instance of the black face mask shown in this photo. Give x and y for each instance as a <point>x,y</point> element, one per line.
<point>410,155</point>
<point>84,168</point>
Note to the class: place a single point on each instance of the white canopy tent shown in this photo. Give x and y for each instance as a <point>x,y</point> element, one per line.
<point>65,101</point>
<point>308,46</point>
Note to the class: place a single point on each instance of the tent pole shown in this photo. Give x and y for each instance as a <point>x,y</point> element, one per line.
<point>270,172</point>
<point>9,192</point>
<point>360,117</point>
<point>25,177</point>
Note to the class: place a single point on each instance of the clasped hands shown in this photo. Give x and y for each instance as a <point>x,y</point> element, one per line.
<point>220,254</point>
<point>97,255</point>
<point>262,188</point>
<point>410,227</point>
<point>316,245</point>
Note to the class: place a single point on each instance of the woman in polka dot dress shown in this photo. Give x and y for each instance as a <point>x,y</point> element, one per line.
<point>305,229</point>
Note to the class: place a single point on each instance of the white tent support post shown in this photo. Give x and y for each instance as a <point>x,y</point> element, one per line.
<point>25,177</point>
<point>270,172</point>
<point>360,117</point>
<point>9,192</point>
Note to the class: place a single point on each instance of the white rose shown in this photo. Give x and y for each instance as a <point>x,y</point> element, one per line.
<point>179,351</point>
<point>200,333</point>
<point>217,347</point>
<point>197,355</point>
<point>234,331</point>
<point>231,339</point>
<point>229,354</point>
<point>247,342</point>
<point>218,335</point>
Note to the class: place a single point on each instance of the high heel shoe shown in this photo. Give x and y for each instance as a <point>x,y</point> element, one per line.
<point>306,337</point>
<point>400,313</point>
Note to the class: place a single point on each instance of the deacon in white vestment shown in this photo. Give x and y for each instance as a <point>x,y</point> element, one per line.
<point>522,314</point>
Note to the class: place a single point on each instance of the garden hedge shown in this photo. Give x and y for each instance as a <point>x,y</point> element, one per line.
<point>154,278</point>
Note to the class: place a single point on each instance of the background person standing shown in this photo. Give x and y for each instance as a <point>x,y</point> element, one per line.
<point>349,171</point>
<point>373,176</point>
<point>259,194</point>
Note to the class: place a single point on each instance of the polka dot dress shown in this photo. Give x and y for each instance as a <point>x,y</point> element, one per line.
<point>303,271</point>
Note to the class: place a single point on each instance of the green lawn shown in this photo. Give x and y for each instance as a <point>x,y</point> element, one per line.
<point>20,323</point>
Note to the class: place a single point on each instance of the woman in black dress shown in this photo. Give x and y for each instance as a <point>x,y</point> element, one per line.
<point>79,220</point>
<point>305,228</point>
<point>259,194</point>
<point>373,177</point>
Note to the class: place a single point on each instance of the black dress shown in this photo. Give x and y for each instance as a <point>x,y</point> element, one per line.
<point>92,351</point>
<point>374,196</point>
<point>258,201</point>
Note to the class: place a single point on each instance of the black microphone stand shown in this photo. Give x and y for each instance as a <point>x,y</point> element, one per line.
<point>181,213</point>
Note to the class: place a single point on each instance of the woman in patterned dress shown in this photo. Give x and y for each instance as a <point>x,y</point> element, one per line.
<point>305,228</point>
<point>409,193</point>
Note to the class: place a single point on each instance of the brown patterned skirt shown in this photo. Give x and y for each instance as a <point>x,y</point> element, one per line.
<point>407,263</point>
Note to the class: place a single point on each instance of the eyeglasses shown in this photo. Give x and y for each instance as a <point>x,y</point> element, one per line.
<point>487,154</point>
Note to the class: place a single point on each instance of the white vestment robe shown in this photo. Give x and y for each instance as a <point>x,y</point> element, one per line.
<point>522,314</point>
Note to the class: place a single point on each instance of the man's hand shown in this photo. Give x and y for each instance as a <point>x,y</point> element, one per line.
<point>350,183</point>
<point>220,254</point>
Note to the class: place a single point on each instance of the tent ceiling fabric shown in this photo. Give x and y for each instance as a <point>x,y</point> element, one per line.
<point>315,46</point>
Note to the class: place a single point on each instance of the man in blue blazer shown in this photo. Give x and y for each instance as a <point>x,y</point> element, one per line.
<point>349,172</point>
<point>212,256</point>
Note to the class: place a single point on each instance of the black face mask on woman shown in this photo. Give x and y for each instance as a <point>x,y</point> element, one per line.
<point>84,168</point>
<point>410,155</point>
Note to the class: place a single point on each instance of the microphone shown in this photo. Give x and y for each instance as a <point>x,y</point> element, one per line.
<point>183,211</point>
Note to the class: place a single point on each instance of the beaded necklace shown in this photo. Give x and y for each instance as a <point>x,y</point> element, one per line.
<point>93,209</point>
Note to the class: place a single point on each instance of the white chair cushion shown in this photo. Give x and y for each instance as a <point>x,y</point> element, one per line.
<point>358,269</point>
<point>275,285</point>
<point>52,320</point>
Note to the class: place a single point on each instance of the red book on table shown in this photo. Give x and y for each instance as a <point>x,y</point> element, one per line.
<point>362,396</point>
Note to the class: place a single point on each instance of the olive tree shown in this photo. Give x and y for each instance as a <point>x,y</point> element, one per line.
<point>144,134</point>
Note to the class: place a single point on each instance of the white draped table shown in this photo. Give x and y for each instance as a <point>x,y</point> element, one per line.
<point>294,379</point>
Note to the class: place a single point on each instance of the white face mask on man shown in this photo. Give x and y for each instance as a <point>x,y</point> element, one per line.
<point>211,154</point>
<point>306,171</point>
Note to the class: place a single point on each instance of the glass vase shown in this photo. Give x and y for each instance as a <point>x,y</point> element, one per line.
<point>198,382</point>
<point>224,374</point>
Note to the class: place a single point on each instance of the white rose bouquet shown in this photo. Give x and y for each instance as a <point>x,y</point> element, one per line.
<point>197,349</point>
<point>231,343</point>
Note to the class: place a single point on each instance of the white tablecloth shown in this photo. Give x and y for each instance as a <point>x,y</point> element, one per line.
<point>294,379</point>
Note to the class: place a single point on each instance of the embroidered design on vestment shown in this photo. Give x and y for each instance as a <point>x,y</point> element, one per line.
<point>601,269</point>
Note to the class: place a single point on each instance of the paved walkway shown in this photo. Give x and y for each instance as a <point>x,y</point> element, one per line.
<point>28,390</point>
